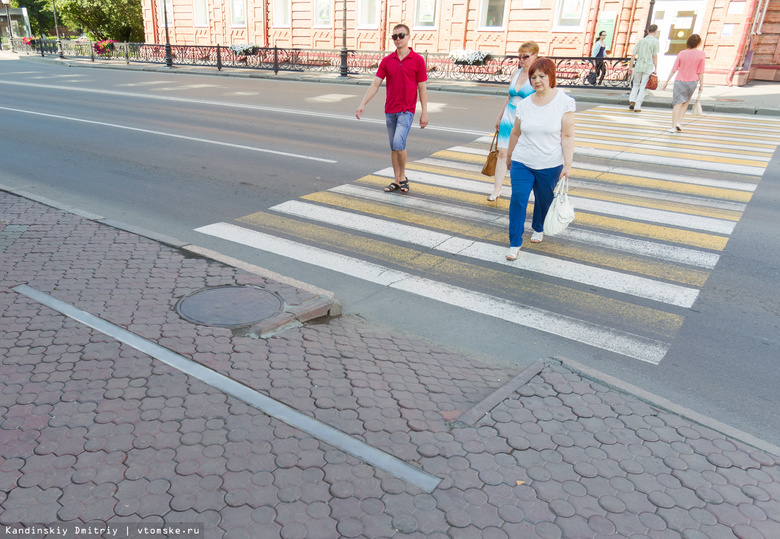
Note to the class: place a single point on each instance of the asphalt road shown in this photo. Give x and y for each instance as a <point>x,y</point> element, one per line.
<point>171,153</point>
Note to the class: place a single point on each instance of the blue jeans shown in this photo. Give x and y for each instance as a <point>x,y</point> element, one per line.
<point>524,179</point>
<point>398,126</point>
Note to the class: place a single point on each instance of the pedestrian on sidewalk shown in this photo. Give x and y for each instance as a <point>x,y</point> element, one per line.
<point>406,76</point>
<point>541,152</point>
<point>645,57</point>
<point>688,72</point>
<point>599,52</point>
<point>519,88</point>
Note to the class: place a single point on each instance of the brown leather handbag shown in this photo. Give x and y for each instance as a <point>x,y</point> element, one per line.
<point>652,82</point>
<point>490,163</point>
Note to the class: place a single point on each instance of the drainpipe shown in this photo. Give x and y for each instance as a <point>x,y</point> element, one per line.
<point>630,30</point>
<point>155,25</point>
<point>265,23</point>
<point>591,31</point>
<point>761,22</point>
<point>383,31</point>
<point>742,40</point>
<point>466,26</point>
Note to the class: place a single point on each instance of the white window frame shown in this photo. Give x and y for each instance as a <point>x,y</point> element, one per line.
<point>368,25</point>
<point>432,6</point>
<point>321,7</point>
<point>282,11</point>
<point>234,21</point>
<point>566,10</point>
<point>200,13</point>
<point>483,9</point>
<point>161,14</point>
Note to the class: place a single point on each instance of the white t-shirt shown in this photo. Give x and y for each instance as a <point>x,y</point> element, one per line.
<point>539,146</point>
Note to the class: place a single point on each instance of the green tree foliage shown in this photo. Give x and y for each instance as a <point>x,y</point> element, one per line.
<point>40,13</point>
<point>121,20</point>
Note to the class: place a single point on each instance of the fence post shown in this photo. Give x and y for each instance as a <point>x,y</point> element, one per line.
<point>276,60</point>
<point>91,51</point>
<point>42,44</point>
<point>219,59</point>
<point>127,53</point>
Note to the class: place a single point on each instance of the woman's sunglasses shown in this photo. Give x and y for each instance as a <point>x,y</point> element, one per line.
<point>525,56</point>
<point>398,36</point>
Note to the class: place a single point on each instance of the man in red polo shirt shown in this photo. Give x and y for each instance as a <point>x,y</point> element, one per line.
<point>406,75</point>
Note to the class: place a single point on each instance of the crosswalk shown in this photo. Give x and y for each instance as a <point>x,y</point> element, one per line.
<point>654,212</point>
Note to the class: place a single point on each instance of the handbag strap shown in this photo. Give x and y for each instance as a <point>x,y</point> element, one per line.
<point>562,187</point>
<point>494,144</point>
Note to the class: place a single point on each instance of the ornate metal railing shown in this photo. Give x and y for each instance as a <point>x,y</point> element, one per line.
<point>604,73</point>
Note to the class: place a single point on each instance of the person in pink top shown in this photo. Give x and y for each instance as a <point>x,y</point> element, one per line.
<point>689,67</point>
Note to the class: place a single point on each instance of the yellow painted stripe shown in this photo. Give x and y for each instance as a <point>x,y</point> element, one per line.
<point>709,117</point>
<point>643,202</point>
<point>633,228</point>
<point>606,177</point>
<point>675,154</point>
<point>595,256</point>
<point>505,283</point>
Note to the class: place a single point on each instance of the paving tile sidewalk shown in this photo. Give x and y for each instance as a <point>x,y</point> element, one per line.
<point>93,430</point>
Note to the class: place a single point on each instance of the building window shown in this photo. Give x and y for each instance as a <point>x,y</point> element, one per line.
<point>200,12</point>
<point>282,13</point>
<point>492,15</point>
<point>368,14</point>
<point>165,7</point>
<point>238,13</point>
<point>426,13</point>
<point>323,17</point>
<point>568,17</point>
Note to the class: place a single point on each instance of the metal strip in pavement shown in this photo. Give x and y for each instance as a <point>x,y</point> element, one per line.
<point>360,450</point>
<point>612,340</point>
<point>671,253</point>
<point>563,269</point>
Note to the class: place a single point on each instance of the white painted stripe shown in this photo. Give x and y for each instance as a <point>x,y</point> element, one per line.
<point>671,253</point>
<point>563,269</point>
<point>688,146</point>
<point>359,449</point>
<point>636,213</point>
<point>624,343</point>
<point>715,130</point>
<point>171,135</point>
<point>648,174</point>
<point>247,106</point>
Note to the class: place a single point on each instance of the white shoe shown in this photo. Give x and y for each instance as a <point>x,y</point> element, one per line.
<point>512,253</point>
<point>537,237</point>
<point>672,130</point>
<point>678,127</point>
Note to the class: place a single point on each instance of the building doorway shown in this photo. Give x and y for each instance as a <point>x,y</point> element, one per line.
<point>677,21</point>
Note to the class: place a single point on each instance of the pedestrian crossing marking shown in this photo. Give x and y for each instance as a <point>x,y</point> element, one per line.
<point>619,278</point>
<point>624,226</point>
<point>656,321</point>
<point>609,339</point>
<point>599,257</point>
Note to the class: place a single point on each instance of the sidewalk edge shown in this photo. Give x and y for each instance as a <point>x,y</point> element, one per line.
<point>665,404</point>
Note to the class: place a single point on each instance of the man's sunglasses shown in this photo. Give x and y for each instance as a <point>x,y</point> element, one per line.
<point>398,36</point>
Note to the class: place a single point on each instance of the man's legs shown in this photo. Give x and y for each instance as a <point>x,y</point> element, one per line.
<point>398,158</point>
<point>638,90</point>
<point>398,126</point>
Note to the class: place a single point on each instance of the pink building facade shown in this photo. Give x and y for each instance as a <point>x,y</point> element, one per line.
<point>736,33</point>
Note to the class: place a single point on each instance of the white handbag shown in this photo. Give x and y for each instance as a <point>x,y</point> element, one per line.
<point>561,212</point>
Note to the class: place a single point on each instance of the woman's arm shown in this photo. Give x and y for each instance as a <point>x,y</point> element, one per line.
<point>513,138</point>
<point>567,143</point>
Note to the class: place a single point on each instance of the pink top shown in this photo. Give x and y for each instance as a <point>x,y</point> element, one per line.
<point>689,64</point>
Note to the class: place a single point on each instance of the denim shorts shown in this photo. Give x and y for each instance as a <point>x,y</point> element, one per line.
<point>398,126</point>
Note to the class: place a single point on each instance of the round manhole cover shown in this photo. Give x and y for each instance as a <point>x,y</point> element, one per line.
<point>229,306</point>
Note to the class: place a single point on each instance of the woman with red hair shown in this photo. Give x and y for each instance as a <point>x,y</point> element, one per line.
<point>541,151</point>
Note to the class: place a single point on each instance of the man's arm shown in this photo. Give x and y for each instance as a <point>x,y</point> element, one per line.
<point>422,89</point>
<point>370,93</point>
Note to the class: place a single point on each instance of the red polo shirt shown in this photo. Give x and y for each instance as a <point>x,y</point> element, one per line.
<point>402,79</point>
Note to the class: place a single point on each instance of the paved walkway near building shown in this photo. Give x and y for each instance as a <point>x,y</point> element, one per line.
<point>757,97</point>
<point>115,409</point>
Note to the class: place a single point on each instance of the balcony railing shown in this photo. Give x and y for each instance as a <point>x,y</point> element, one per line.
<point>571,71</point>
